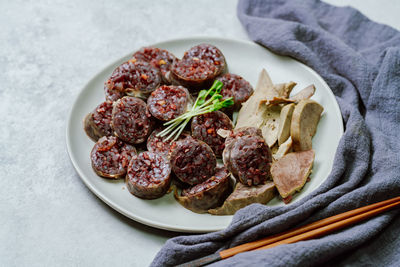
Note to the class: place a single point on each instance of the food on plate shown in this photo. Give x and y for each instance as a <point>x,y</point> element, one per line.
<point>160,145</point>
<point>248,115</point>
<point>131,120</point>
<point>111,92</point>
<point>236,87</point>
<point>243,196</point>
<point>230,137</point>
<point>277,101</point>
<point>110,157</point>
<point>278,94</point>
<point>208,194</point>
<point>255,112</point>
<point>264,110</point>
<point>283,149</point>
<point>158,58</point>
<point>193,73</point>
<point>304,124</point>
<point>133,78</point>
<point>192,133</point>
<point>290,172</point>
<point>199,67</point>
<point>282,90</point>
<point>205,127</point>
<point>208,53</point>
<point>305,93</point>
<point>193,161</point>
<point>168,102</point>
<point>270,123</point>
<point>148,175</point>
<point>285,119</point>
<point>238,132</point>
<point>249,159</point>
<point>206,101</point>
<point>98,122</point>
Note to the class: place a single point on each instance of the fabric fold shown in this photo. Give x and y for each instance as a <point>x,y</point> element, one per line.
<point>360,61</point>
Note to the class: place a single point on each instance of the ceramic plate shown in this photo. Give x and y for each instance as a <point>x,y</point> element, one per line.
<point>244,58</point>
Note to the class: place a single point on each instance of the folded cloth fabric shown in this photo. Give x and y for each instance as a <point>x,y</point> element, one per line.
<point>360,60</point>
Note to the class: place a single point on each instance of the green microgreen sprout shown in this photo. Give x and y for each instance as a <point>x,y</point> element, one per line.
<point>206,101</point>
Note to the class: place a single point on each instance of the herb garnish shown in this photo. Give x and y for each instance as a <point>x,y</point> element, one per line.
<point>202,105</point>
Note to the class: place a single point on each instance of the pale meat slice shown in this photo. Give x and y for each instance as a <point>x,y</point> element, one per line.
<point>277,101</point>
<point>283,149</point>
<point>279,94</point>
<point>256,111</point>
<point>284,89</point>
<point>270,124</point>
<point>284,123</point>
<point>248,114</point>
<point>243,196</point>
<point>290,172</point>
<point>305,93</point>
<point>274,150</point>
<point>253,111</point>
<point>304,124</point>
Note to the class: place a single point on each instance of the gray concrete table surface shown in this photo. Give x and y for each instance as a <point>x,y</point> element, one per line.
<point>48,51</point>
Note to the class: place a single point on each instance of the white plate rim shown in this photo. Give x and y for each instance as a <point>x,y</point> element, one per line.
<point>125,212</point>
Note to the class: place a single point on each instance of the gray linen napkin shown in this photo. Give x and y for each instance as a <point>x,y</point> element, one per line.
<point>360,60</point>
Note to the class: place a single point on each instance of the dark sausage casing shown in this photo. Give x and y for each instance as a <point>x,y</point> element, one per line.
<point>199,67</point>
<point>110,157</point>
<point>207,195</point>
<point>236,87</point>
<point>98,122</point>
<point>205,127</point>
<point>230,138</point>
<point>193,161</point>
<point>159,145</point>
<point>209,53</point>
<point>238,132</point>
<point>158,58</point>
<point>133,78</point>
<point>131,120</point>
<point>249,159</point>
<point>148,175</point>
<point>168,102</point>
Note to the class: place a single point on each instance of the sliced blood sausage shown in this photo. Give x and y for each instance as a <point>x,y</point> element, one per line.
<point>250,160</point>
<point>148,175</point>
<point>209,53</point>
<point>237,87</point>
<point>193,73</point>
<point>205,127</point>
<point>159,145</point>
<point>111,92</point>
<point>193,161</point>
<point>229,141</point>
<point>98,122</point>
<point>168,102</point>
<point>207,195</point>
<point>134,78</point>
<point>131,120</point>
<point>238,132</point>
<point>158,58</point>
<point>110,157</point>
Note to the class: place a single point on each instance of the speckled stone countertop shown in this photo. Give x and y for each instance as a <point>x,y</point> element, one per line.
<point>48,51</point>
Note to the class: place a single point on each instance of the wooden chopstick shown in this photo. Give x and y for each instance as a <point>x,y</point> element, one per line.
<point>309,231</point>
<point>331,227</point>
<point>302,229</point>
